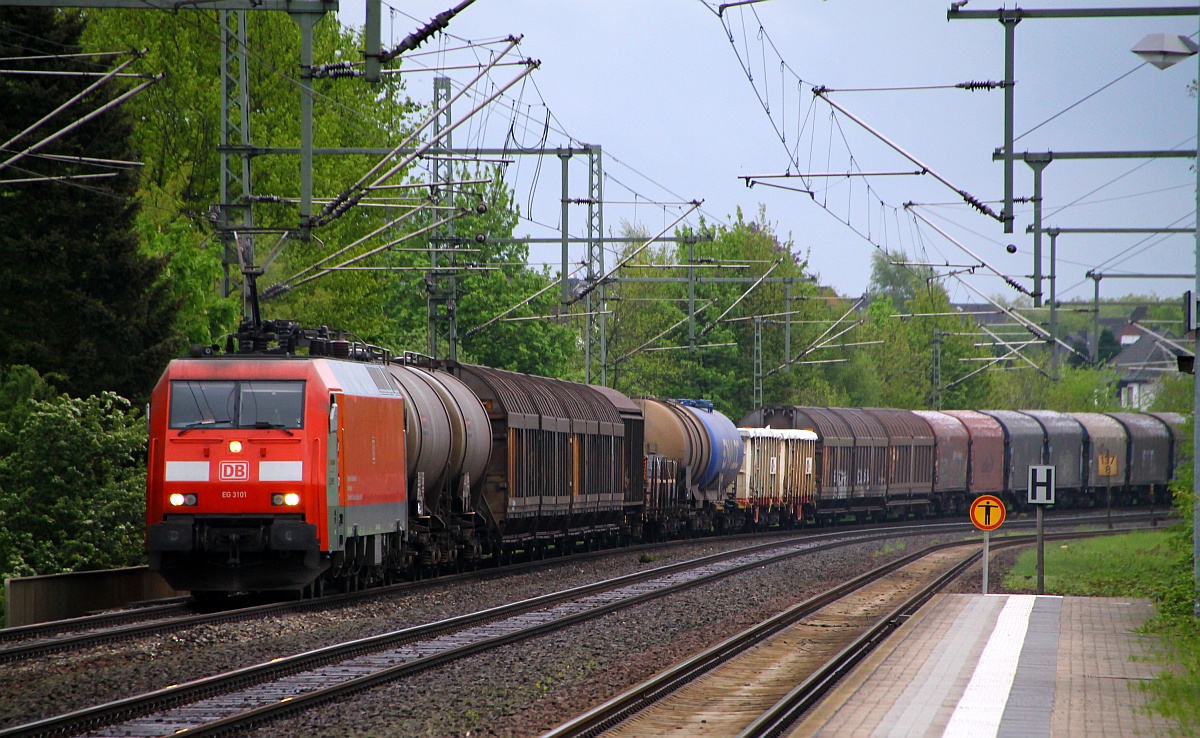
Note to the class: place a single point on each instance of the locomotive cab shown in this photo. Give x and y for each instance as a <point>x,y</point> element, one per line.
<point>248,487</point>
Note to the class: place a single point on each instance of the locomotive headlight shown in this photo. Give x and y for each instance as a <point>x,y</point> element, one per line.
<point>291,499</point>
<point>179,500</point>
<point>235,447</point>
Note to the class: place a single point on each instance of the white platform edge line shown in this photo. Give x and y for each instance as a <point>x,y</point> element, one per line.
<point>981,707</point>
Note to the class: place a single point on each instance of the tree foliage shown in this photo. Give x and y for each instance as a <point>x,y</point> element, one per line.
<point>179,125</point>
<point>72,480</point>
<point>894,278</point>
<point>77,297</point>
<point>721,366</point>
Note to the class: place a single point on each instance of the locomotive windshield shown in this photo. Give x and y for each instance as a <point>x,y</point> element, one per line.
<point>246,404</point>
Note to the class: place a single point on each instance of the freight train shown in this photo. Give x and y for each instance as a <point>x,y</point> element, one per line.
<point>276,470</point>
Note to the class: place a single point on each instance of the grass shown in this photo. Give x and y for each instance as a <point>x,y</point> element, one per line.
<point>1142,564</point>
<point>890,547</point>
<point>1133,565</point>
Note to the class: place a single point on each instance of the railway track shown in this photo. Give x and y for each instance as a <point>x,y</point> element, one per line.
<point>231,703</point>
<point>759,682</point>
<point>29,641</point>
<point>42,639</point>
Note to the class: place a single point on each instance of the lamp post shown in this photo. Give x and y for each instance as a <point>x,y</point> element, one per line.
<point>1163,50</point>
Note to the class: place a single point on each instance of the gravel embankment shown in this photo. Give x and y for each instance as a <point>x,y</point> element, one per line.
<point>527,688</point>
<point>517,690</point>
<point>60,683</point>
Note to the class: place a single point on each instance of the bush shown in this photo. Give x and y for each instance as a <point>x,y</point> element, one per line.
<point>72,489</point>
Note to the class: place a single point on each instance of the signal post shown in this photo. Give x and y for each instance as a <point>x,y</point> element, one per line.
<point>1041,493</point>
<point>987,513</point>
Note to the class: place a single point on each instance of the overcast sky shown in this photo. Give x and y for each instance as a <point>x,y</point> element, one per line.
<point>659,86</point>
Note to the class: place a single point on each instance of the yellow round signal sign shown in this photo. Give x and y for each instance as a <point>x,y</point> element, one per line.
<point>987,512</point>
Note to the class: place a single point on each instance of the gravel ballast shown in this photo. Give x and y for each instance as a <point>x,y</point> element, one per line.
<point>518,690</point>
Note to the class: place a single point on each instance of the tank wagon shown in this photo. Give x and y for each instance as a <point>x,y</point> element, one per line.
<point>702,449</point>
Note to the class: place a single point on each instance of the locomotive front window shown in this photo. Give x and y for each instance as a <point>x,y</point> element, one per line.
<point>203,404</point>
<point>246,404</point>
<point>277,404</point>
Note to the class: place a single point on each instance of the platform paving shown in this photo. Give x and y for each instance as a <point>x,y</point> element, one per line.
<point>1009,666</point>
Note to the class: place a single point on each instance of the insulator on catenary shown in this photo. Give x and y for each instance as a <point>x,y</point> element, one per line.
<point>336,70</point>
<point>985,85</point>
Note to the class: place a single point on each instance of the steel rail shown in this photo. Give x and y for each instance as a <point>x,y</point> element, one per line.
<point>39,639</point>
<point>42,638</point>
<point>30,641</point>
<point>127,613</point>
<point>178,695</point>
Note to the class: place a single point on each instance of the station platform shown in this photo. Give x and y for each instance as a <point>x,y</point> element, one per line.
<point>1013,666</point>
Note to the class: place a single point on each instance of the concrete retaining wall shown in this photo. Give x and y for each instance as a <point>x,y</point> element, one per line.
<point>58,596</point>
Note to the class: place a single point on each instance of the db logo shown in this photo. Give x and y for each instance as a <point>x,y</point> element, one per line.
<point>234,471</point>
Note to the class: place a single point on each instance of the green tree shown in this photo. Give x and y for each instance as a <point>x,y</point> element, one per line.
<point>72,492</point>
<point>892,278</point>
<point>1175,394</point>
<point>177,135</point>
<point>1107,347</point>
<point>721,366</point>
<point>20,387</point>
<point>77,297</point>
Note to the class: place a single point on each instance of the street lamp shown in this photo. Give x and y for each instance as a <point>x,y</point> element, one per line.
<point>1163,50</point>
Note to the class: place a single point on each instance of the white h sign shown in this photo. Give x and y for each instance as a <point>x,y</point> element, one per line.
<point>1041,485</point>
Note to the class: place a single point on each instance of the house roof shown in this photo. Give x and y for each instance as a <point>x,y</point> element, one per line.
<point>1145,360</point>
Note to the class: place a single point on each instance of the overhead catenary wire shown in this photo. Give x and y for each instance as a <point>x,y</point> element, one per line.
<point>750,289</point>
<point>522,303</point>
<point>658,336</point>
<point>349,196</point>
<point>98,111</point>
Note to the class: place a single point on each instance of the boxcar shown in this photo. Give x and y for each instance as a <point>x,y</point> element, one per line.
<point>985,472</point>
<point>1105,452</point>
<point>777,475</point>
<point>951,452</point>
<point>835,447</point>
<point>1149,453</point>
<point>633,461</point>
<point>1024,444</point>
<point>870,455</point>
<point>1181,444</point>
<point>557,460</point>
<point>910,457</point>
<point>1064,450</point>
